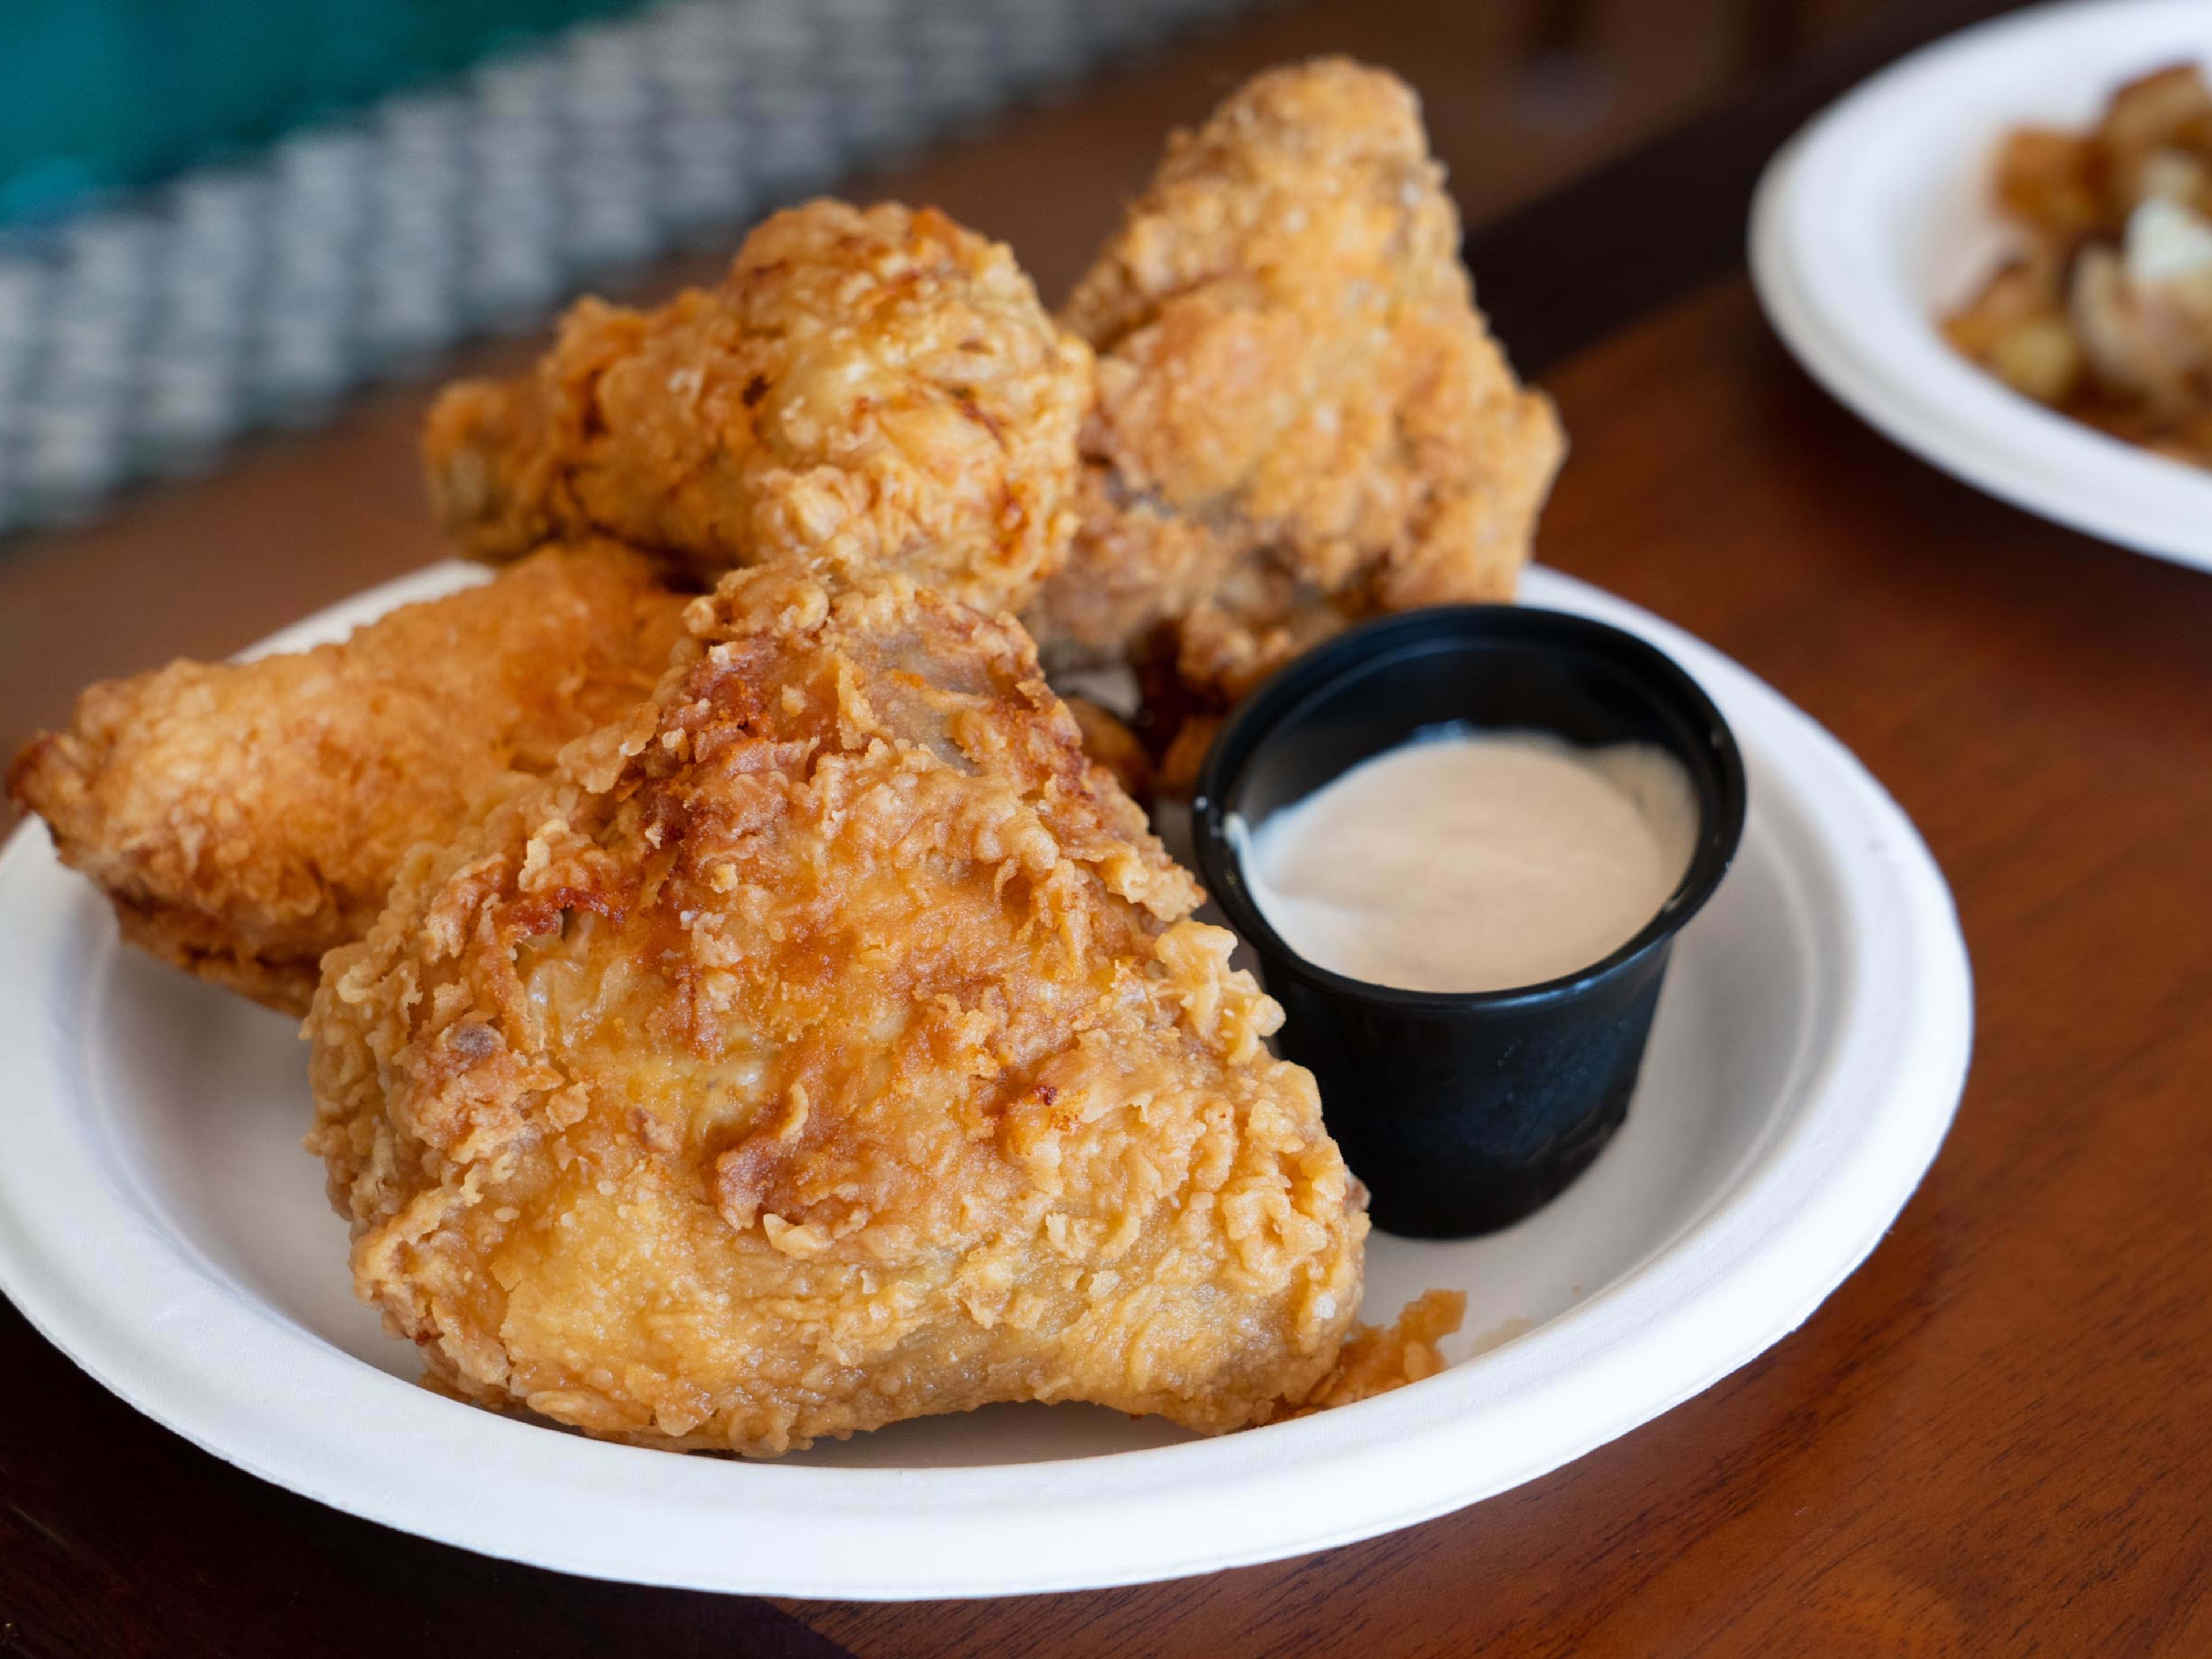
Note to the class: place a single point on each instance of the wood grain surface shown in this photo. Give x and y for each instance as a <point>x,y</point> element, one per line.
<point>1995,1437</point>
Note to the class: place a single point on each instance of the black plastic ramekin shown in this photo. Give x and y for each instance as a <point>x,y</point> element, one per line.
<point>1464,1112</point>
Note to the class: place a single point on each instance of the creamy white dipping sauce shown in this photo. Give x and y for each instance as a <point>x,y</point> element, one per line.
<point>1474,860</point>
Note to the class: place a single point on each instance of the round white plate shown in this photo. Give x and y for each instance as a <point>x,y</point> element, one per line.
<point>159,1222</point>
<point>1877,219</point>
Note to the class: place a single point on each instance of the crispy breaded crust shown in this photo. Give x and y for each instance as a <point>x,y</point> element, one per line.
<point>1302,417</point>
<point>867,389</point>
<point>828,1045</point>
<point>246,818</point>
<point>1376,1360</point>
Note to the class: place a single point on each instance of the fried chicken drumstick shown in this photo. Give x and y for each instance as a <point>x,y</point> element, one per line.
<point>868,389</point>
<point>246,818</point>
<point>1301,416</point>
<point>825,1046</point>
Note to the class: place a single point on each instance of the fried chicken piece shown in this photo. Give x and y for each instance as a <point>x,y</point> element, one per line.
<point>867,389</point>
<point>246,818</point>
<point>1376,1360</point>
<point>1302,418</point>
<point>828,1046</point>
<point>1109,740</point>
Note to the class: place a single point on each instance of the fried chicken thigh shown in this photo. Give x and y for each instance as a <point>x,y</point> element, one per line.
<point>246,818</point>
<point>828,1045</point>
<point>1301,417</point>
<point>867,389</point>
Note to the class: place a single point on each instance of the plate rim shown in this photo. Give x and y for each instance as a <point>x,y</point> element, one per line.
<point>1962,421</point>
<point>1724,1287</point>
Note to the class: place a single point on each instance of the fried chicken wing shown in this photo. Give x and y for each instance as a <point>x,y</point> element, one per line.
<point>246,818</point>
<point>828,1045</point>
<point>1301,415</point>
<point>867,389</point>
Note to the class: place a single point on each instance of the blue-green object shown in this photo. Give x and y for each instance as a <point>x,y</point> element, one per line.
<point>97,94</point>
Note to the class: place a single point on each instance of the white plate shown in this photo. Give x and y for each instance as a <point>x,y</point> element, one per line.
<point>1877,218</point>
<point>159,1224</point>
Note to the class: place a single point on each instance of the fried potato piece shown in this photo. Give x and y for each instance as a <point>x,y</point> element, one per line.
<point>2155,138</point>
<point>867,389</point>
<point>2058,181</point>
<point>2104,311</point>
<point>825,1047</point>
<point>2017,326</point>
<point>1302,417</point>
<point>246,818</point>
<point>2167,111</point>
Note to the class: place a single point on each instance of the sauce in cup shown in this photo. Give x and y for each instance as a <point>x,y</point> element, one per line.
<point>1469,861</point>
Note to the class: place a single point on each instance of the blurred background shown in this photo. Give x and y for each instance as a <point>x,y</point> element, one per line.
<point>241,240</point>
<point>224,214</point>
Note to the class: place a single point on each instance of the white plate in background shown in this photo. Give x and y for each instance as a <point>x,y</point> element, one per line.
<point>1877,219</point>
<point>159,1222</point>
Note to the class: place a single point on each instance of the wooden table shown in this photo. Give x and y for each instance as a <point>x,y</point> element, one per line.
<point>1995,1437</point>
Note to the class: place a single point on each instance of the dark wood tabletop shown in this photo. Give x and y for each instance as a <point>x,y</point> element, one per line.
<point>1996,1437</point>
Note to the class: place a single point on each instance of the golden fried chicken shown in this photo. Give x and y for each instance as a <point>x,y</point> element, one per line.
<point>1301,417</point>
<point>1109,740</point>
<point>1377,1359</point>
<point>246,818</point>
<point>867,389</point>
<point>828,1045</point>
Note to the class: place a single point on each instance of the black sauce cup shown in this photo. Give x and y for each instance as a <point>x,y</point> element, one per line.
<point>1464,1112</point>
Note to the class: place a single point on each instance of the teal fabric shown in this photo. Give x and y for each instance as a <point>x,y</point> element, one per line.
<point>97,94</point>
